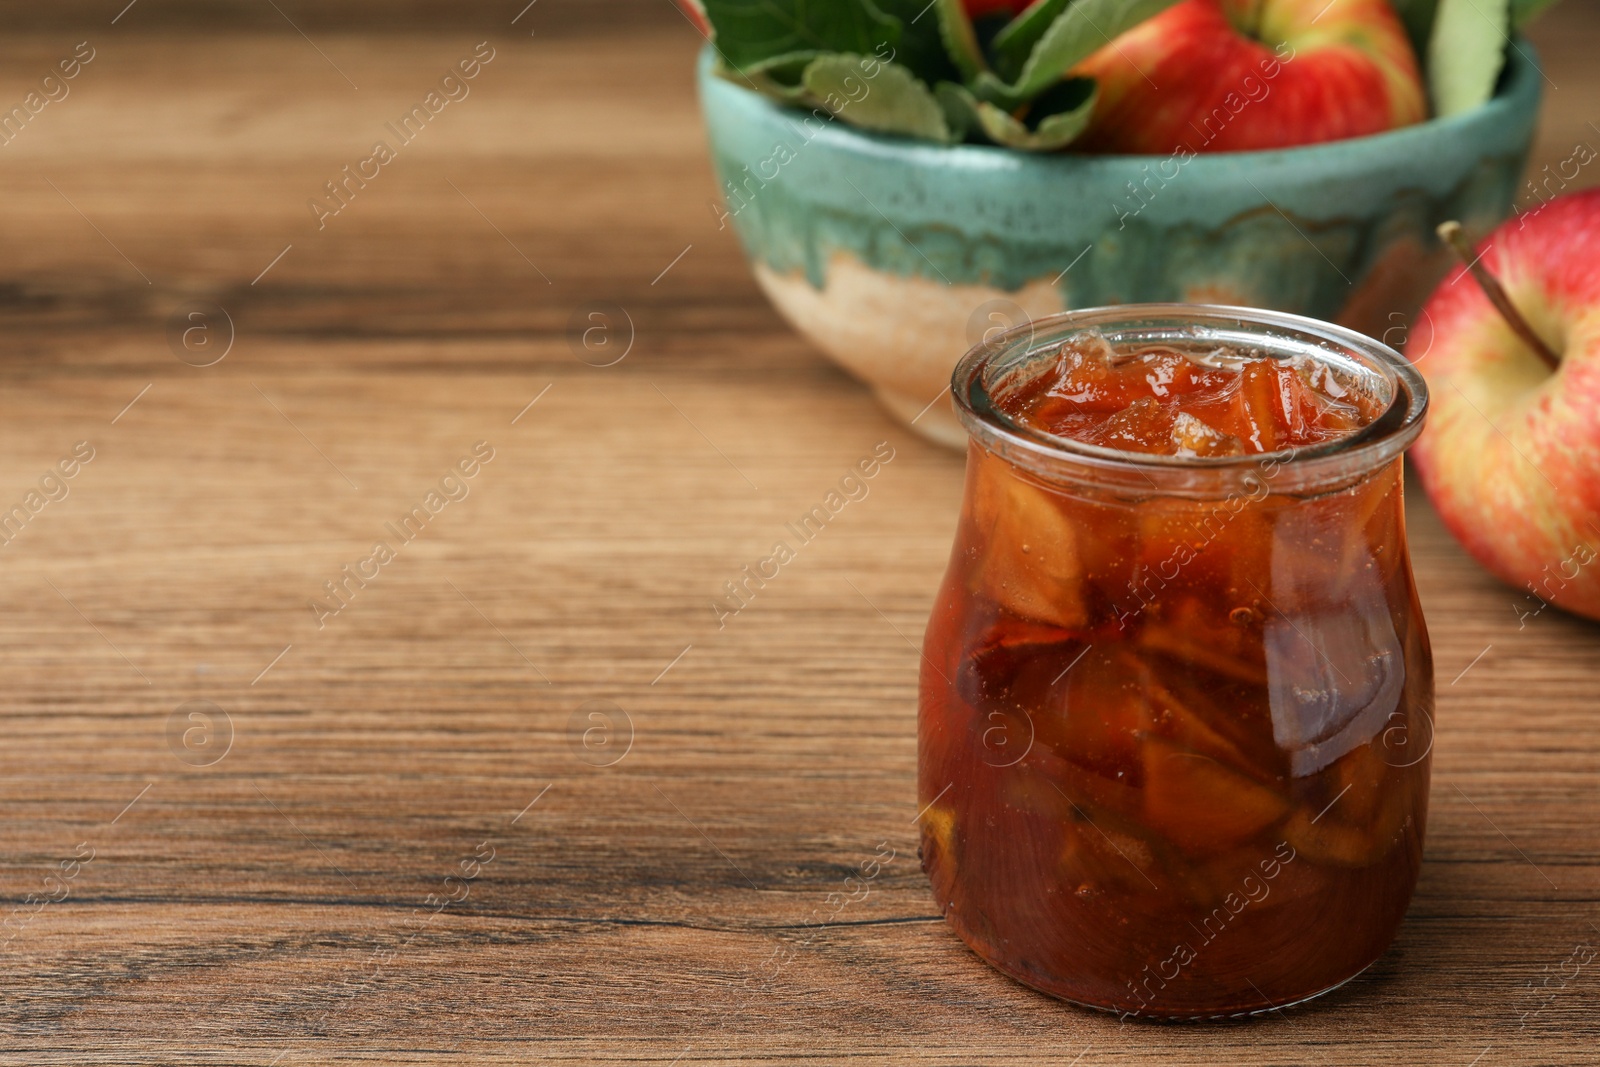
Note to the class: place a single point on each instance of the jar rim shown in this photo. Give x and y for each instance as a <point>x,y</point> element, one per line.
<point>1275,333</point>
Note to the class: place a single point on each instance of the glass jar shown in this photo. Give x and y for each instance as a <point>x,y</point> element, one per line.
<point>1176,712</point>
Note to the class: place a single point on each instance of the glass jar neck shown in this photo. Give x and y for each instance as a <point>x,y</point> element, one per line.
<point>1399,392</point>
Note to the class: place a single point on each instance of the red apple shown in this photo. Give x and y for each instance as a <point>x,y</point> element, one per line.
<point>1009,8</point>
<point>695,12</point>
<point>1510,454</point>
<point>1237,75</point>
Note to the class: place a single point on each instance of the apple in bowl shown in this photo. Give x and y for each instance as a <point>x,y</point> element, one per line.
<point>1241,75</point>
<point>1510,455</point>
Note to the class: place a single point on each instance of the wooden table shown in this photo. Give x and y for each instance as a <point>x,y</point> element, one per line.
<point>521,799</point>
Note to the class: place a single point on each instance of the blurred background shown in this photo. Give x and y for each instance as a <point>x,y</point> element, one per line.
<point>195,137</point>
<point>198,133</point>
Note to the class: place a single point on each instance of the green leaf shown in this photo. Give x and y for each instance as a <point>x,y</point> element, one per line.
<point>960,106</point>
<point>875,95</point>
<point>1016,39</point>
<point>1082,29</point>
<point>1052,123</point>
<point>1418,18</point>
<point>749,31</point>
<point>780,77</point>
<point>1466,52</point>
<point>921,46</point>
<point>989,87</point>
<point>1525,11</point>
<point>960,41</point>
<point>960,112</point>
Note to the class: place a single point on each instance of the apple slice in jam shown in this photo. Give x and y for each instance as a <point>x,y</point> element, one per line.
<point>1357,815</point>
<point>1200,805</point>
<point>1030,563</point>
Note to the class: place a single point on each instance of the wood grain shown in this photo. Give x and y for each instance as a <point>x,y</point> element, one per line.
<point>289,903</point>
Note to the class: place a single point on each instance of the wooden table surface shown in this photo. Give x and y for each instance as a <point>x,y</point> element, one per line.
<point>522,799</point>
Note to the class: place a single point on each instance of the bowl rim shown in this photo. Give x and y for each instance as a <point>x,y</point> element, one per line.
<point>1519,89</point>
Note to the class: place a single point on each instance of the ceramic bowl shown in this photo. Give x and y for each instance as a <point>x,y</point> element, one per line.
<point>895,256</point>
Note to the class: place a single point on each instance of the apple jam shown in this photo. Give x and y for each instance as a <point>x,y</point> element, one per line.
<point>1161,399</point>
<point>1176,696</point>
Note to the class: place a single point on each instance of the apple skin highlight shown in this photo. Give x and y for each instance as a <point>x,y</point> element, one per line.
<point>1242,75</point>
<point>1510,455</point>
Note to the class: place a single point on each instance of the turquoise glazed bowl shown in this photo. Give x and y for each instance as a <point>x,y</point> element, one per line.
<point>895,256</point>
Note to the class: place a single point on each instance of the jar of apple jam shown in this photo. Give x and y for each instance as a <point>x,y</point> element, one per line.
<point>1176,697</point>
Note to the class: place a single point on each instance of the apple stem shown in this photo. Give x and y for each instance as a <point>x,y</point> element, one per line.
<point>1450,233</point>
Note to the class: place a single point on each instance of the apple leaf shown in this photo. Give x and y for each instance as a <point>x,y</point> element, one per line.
<point>1055,119</point>
<point>1418,18</point>
<point>1082,29</point>
<point>922,45</point>
<point>876,95</point>
<point>749,31</point>
<point>960,114</point>
<point>1017,37</point>
<point>960,107</point>
<point>1466,52</point>
<point>990,87</point>
<point>1525,11</point>
<point>781,77</point>
<point>960,40</point>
